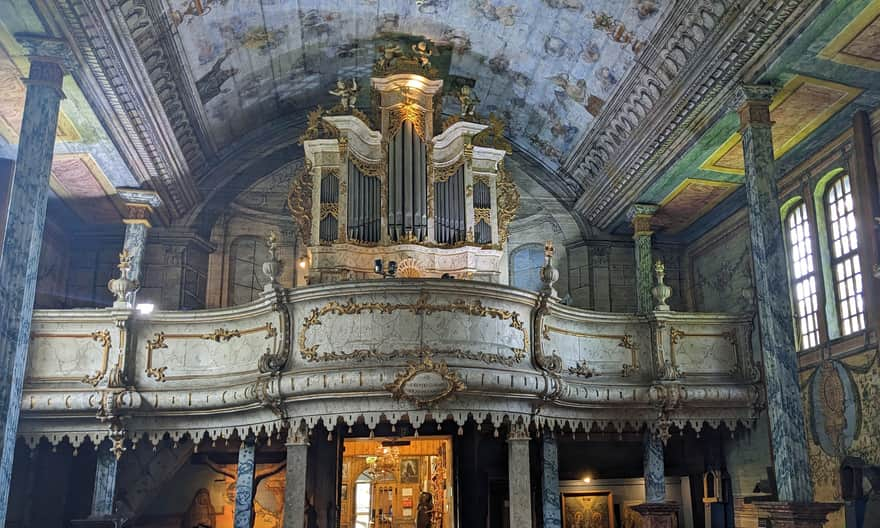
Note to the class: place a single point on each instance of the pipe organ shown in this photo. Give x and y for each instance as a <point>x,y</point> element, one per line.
<point>436,204</point>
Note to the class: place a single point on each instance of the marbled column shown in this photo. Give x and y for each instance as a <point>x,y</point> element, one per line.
<point>788,433</point>
<point>104,495</point>
<point>550,481</point>
<point>640,216</point>
<point>23,234</point>
<point>244,484</point>
<point>654,469</point>
<point>140,204</point>
<point>295,478</point>
<point>520,485</point>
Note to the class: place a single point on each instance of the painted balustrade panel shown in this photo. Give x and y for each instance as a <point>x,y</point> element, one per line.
<point>72,346</point>
<point>388,322</point>
<point>705,344</point>
<point>593,344</point>
<point>195,348</point>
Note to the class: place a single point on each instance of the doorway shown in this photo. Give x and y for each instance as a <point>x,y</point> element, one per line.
<point>400,482</point>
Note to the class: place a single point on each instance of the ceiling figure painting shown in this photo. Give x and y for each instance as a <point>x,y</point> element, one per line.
<point>253,60</point>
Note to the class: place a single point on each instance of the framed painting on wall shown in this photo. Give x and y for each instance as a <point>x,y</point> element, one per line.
<point>588,509</point>
<point>409,470</point>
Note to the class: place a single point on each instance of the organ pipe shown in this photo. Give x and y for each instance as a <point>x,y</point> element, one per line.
<point>407,175</point>
<point>449,209</point>
<point>363,206</point>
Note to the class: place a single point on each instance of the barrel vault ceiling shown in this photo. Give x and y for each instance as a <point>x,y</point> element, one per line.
<point>600,96</point>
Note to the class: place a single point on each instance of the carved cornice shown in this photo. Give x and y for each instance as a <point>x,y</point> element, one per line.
<point>121,88</point>
<point>698,55</point>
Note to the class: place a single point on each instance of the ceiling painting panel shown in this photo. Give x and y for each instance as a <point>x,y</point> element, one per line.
<point>801,107</point>
<point>79,181</point>
<point>546,67</point>
<point>692,199</point>
<point>12,104</point>
<point>859,42</point>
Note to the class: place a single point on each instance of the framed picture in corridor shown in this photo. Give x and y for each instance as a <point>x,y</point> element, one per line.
<point>587,509</point>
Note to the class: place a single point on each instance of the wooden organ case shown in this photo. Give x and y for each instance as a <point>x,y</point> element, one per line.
<point>434,204</point>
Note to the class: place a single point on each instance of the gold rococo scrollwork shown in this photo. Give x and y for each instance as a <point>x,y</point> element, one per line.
<point>420,306</point>
<point>508,202</point>
<point>329,209</point>
<point>299,202</point>
<point>219,335</point>
<point>449,378</point>
<point>411,112</point>
<point>442,174</point>
<point>484,214</point>
<point>367,168</point>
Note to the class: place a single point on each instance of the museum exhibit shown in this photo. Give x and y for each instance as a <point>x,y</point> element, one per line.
<point>439,263</point>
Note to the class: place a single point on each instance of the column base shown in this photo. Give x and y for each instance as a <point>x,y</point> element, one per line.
<point>658,514</point>
<point>109,521</point>
<point>796,514</point>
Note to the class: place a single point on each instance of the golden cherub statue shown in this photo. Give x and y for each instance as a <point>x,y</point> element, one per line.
<point>389,54</point>
<point>468,101</point>
<point>347,94</point>
<point>422,54</point>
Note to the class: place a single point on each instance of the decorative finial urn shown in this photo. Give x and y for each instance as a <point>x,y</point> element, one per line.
<point>660,291</point>
<point>272,267</point>
<point>549,274</point>
<point>123,287</point>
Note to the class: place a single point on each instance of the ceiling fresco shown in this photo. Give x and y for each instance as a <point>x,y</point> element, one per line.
<point>546,67</point>
<point>798,109</point>
<point>823,77</point>
<point>87,168</point>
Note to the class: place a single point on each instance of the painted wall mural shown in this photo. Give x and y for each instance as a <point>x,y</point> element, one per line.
<point>545,67</point>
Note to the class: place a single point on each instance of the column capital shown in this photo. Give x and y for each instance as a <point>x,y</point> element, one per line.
<point>45,48</point>
<point>297,435</point>
<point>139,204</point>
<point>640,216</point>
<point>518,432</point>
<point>752,102</point>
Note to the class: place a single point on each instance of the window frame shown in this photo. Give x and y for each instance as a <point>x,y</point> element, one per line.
<point>821,331</point>
<point>853,255</point>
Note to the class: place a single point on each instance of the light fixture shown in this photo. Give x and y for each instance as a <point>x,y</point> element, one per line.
<point>303,262</point>
<point>145,308</point>
<point>587,480</point>
<point>379,268</point>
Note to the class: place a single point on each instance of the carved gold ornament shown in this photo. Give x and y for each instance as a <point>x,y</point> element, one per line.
<point>484,214</point>
<point>442,174</point>
<point>411,112</point>
<point>508,202</point>
<point>420,306</point>
<point>425,383</point>
<point>299,202</point>
<point>220,335</point>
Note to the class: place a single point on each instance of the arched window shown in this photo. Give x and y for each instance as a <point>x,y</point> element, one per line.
<point>843,240</point>
<point>525,267</point>
<point>804,282</point>
<point>247,256</point>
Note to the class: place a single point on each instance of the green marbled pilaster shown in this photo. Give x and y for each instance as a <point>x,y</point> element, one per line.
<point>785,410</point>
<point>640,216</point>
<point>23,236</point>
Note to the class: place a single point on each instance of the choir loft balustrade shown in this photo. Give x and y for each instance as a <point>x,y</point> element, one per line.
<point>383,350</point>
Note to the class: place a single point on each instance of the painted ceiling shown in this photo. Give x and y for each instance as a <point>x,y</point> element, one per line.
<point>546,67</point>
<point>831,70</point>
<point>87,167</point>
